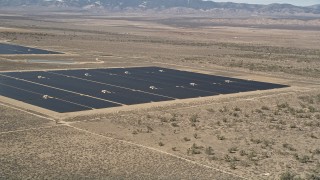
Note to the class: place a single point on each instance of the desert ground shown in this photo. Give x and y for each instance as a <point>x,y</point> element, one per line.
<point>272,134</point>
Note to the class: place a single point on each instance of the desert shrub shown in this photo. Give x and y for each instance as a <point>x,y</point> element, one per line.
<point>211,110</point>
<point>293,126</point>
<point>303,105</point>
<point>287,176</point>
<point>291,110</point>
<point>304,116</point>
<point>313,177</point>
<point>252,156</point>
<point>174,124</point>
<point>233,149</point>
<point>316,151</point>
<point>149,129</point>
<point>220,137</point>
<point>273,119</point>
<point>224,109</point>
<point>288,146</point>
<point>256,141</point>
<point>283,105</point>
<point>209,150</point>
<point>308,123</point>
<point>186,139</point>
<point>194,149</point>
<point>268,143</point>
<point>195,146</point>
<point>243,153</point>
<point>276,113</point>
<point>282,122</point>
<point>161,143</point>
<point>306,99</point>
<point>235,114</point>
<point>194,118</point>
<point>303,159</point>
<point>218,123</point>
<point>245,163</point>
<point>163,119</point>
<point>313,136</point>
<point>312,109</point>
<point>299,111</point>
<point>214,158</point>
<point>195,135</point>
<point>227,158</point>
<point>225,120</point>
<point>173,119</point>
<point>233,166</point>
<point>265,108</point>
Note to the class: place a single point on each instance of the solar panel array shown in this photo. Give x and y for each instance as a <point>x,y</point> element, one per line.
<point>85,89</point>
<point>16,49</point>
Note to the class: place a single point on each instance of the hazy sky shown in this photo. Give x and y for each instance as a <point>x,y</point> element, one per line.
<point>295,2</point>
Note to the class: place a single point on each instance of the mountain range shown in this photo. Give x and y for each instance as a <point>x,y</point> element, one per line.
<point>200,5</point>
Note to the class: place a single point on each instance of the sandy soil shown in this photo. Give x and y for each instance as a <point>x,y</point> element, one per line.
<point>257,135</point>
<point>66,153</point>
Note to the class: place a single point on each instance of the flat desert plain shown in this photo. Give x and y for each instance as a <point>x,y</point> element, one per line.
<point>271,134</point>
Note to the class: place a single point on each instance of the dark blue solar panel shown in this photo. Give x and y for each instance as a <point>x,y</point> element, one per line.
<point>77,90</point>
<point>16,49</point>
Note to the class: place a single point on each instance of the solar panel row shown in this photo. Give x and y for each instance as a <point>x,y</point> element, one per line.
<point>16,49</point>
<point>77,90</point>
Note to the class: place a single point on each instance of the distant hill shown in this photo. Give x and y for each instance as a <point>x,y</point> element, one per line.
<point>316,7</point>
<point>121,5</point>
